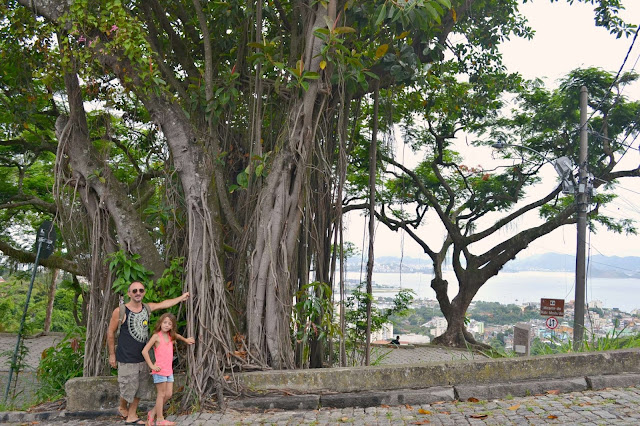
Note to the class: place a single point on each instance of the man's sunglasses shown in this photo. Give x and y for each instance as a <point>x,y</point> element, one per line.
<point>136,290</point>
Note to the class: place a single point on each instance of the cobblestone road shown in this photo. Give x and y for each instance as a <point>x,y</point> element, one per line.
<point>604,407</point>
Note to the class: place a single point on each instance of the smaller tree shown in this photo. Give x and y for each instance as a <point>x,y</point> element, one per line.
<point>356,317</point>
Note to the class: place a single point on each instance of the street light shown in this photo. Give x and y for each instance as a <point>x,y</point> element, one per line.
<point>562,165</point>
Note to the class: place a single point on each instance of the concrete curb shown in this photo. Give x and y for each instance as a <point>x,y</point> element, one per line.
<point>527,388</point>
<point>613,381</point>
<point>25,417</point>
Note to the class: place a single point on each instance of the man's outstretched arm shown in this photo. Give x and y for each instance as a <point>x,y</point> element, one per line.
<point>169,302</point>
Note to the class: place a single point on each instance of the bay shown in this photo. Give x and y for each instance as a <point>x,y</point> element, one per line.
<point>519,287</point>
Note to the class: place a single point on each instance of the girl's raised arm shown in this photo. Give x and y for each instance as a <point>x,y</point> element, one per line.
<point>187,340</point>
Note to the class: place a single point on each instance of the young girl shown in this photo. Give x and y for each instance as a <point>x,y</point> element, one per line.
<point>162,341</point>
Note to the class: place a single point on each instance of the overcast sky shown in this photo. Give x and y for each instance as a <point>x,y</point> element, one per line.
<point>566,38</point>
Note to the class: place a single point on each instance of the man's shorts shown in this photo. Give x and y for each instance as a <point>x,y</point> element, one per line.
<point>133,380</point>
<point>162,379</point>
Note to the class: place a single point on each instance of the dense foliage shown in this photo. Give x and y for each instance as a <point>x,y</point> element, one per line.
<point>13,294</point>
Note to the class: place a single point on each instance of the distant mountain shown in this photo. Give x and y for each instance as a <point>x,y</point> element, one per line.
<point>599,266</point>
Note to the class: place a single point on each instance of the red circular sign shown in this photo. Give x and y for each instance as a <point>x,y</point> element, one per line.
<point>552,322</point>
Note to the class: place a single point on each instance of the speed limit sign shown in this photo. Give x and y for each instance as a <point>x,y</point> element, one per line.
<point>552,322</point>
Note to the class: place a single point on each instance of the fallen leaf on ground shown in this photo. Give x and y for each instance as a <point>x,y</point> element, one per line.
<point>384,405</point>
<point>421,422</point>
<point>551,416</point>
<point>345,419</point>
<point>553,392</point>
<point>444,412</point>
<point>437,403</point>
<point>472,399</point>
<point>423,411</point>
<point>514,407</point>
<point>408,407</point>
<point>478,416</point>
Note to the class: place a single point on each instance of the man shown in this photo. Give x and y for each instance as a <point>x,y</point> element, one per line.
<point>133,372</point>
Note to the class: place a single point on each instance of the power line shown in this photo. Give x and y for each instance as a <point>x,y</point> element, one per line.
<point>615,80</point>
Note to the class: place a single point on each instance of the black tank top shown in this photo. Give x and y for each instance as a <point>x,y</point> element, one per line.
<point>134,334</point>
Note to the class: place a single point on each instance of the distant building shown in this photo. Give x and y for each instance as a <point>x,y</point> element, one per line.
<point>476,327</point>
<point>436,326</point>
<point>385,333</point>
<point>596,304</point>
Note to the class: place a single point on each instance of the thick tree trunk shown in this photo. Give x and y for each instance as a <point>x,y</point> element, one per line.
<point>454,311</point>
<point>278,222</point>
<point>270,293</point>
<point>106,203</point>
<point>208,316</point>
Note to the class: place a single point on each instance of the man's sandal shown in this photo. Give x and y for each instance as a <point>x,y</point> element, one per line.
<point>137,421</point>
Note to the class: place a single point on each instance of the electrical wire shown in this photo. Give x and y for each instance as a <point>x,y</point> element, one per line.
<point>615,80</point>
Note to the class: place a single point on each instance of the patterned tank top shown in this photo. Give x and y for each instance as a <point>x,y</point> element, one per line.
<point>134,335</point>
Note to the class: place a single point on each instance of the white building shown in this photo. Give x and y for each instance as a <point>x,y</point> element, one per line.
<point>385,333</point>
<point>436,326</point>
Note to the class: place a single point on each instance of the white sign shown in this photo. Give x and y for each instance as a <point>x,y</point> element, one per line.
<point>552,323</point>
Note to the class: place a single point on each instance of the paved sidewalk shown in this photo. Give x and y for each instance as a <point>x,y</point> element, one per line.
<point>36,346</point>
<point>604,407</point>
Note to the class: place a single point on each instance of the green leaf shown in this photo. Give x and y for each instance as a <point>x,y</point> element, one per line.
<point>243,179</point>
<point>382,14</point>
<point>344,30</point>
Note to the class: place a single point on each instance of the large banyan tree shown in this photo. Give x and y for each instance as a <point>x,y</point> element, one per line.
<point>214,132</point>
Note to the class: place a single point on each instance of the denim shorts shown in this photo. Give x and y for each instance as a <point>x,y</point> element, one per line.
<point>161,379</point>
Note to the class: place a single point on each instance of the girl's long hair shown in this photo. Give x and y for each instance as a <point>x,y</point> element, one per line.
<point>172,332</point>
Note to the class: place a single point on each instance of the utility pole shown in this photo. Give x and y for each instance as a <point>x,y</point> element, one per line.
<point>373,149</point>
<point>581,199</point>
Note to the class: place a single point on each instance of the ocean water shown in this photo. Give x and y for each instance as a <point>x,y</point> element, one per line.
<point>521,287</point>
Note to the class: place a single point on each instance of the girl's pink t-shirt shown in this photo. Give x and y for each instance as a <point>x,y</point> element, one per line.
<point>164,355</point>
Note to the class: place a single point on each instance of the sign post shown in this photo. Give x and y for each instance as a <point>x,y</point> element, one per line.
<point>45,242</point>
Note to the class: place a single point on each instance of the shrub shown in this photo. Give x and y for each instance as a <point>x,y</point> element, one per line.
<point>59,364</point>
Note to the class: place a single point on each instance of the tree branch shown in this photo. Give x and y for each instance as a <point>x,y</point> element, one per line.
<point>53,261</point>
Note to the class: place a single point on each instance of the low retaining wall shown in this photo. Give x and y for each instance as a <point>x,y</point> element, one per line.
<point>99,393</point>
<point>418,376</point>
